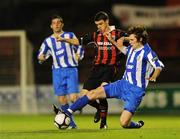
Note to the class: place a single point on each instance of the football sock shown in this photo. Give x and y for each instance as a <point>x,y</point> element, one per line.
<point>103,115</point>
<point>64,108</point>
<point>133,125</point>
<point>78,104</point>
<point>94,104</point>
<point>103,110</point>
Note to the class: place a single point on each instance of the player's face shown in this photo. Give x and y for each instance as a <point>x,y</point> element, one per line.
<point>56,25</point>
<point>102,25</point>
<point>134,42</point>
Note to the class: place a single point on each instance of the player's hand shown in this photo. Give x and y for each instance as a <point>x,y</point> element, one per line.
<point>59,39</point>
<point>41,58</point>
<point>155,75</point>
<point>126,38</point>
<point>40,62</point>
<point>152,79</point>
<point>108,35</point>
<point>77,57</point>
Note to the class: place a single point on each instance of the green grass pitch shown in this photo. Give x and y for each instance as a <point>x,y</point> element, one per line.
<point>42,127</point>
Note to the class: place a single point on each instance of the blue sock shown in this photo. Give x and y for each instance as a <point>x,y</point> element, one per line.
<point>79,103</point>
<point>133,125</point>
<point>64,108</point>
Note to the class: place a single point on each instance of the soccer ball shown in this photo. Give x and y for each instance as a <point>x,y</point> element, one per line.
<point>61,121</point>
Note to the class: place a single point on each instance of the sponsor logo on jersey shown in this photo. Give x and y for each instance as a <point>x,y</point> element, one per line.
<point>104,43</point>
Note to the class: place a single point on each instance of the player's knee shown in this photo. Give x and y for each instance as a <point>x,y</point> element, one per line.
<point>62,100</point>
<point>103,83</point>
<point>91,95</point>
<point>83,92</point>
<point>73,98</point>
<point>124,123</point>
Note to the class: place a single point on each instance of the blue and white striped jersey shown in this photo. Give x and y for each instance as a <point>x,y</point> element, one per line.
<point>64,54</point>
<point>140,64</point>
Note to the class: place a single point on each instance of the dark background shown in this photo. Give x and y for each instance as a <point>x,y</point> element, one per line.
<point>34,17</point>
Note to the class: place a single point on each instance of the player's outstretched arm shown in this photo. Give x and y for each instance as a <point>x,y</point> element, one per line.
<point>155,75</point>
<point>118,44</point>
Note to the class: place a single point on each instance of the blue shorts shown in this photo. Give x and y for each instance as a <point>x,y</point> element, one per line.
<point>129,93</point>
<point>65,81</point>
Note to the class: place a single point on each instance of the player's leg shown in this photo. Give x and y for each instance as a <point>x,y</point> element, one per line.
<point>62,100</point>
<point>72,90</point>
<point>103,109</point>
<point>97,115</point>
<point>60,89</point>
<point>125,118</point>
<point>103,113</point>
<point>132,96</point>
<point>126,122</point>
<point>97,93</point>
<point>92,103</point>
<point>96,105</point>
<point>92,83</point>
<point>73,97</point>
<point>65,105</point>
<point>106,77</point>
<point>59,86</point>
<point>112,90</point>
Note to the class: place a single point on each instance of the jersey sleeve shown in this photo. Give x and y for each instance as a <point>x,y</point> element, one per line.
<point>80,52</point>
<point>154,60</point>
<point>121,33</point>
<point>44,49</point>
<point>73,36</point>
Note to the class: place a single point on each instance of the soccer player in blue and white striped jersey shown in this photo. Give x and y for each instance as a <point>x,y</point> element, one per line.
<point>142,66</point>
<point>66,52</point>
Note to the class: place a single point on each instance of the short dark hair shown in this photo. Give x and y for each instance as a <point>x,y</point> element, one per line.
<point>57,16</point>
<point>101,16</point>
<point>140,32</point>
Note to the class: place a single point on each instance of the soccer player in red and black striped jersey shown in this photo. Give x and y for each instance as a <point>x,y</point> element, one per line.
<point>104,66</point>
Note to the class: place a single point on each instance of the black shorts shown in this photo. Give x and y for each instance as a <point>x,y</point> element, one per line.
<point>99,74</point>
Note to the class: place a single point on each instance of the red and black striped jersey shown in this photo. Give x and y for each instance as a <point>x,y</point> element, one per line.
<point>106,52</point>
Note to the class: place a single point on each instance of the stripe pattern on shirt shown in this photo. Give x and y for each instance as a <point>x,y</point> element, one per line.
<point>106,51</point>
<point>63,53</point>
<point>140,64</point>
